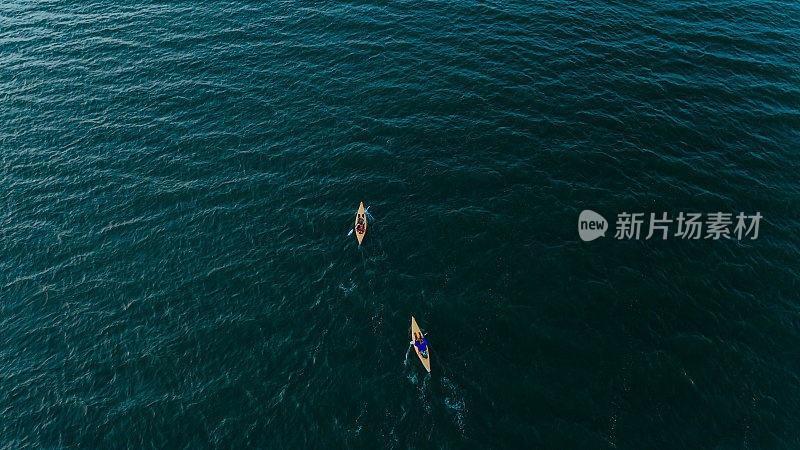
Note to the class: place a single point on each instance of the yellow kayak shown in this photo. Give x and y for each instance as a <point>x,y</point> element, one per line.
<point>360,216</point>
<point>414,332</point>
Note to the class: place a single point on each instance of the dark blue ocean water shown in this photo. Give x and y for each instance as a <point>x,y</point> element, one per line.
<point>177,181</point>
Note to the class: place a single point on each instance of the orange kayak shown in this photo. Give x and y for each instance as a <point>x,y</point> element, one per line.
<point>414,330</point>
<point>360,214</point>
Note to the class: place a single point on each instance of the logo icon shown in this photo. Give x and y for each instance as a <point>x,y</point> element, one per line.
<point>591,225</point>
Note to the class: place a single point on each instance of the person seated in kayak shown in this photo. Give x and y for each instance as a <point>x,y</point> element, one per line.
<point>360,226</point>
<point>422,345</point>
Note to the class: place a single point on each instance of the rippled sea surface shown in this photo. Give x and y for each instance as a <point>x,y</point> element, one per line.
<point>177,181</point>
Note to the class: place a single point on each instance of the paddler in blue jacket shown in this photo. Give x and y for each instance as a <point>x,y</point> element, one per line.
<point>421,344</point>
